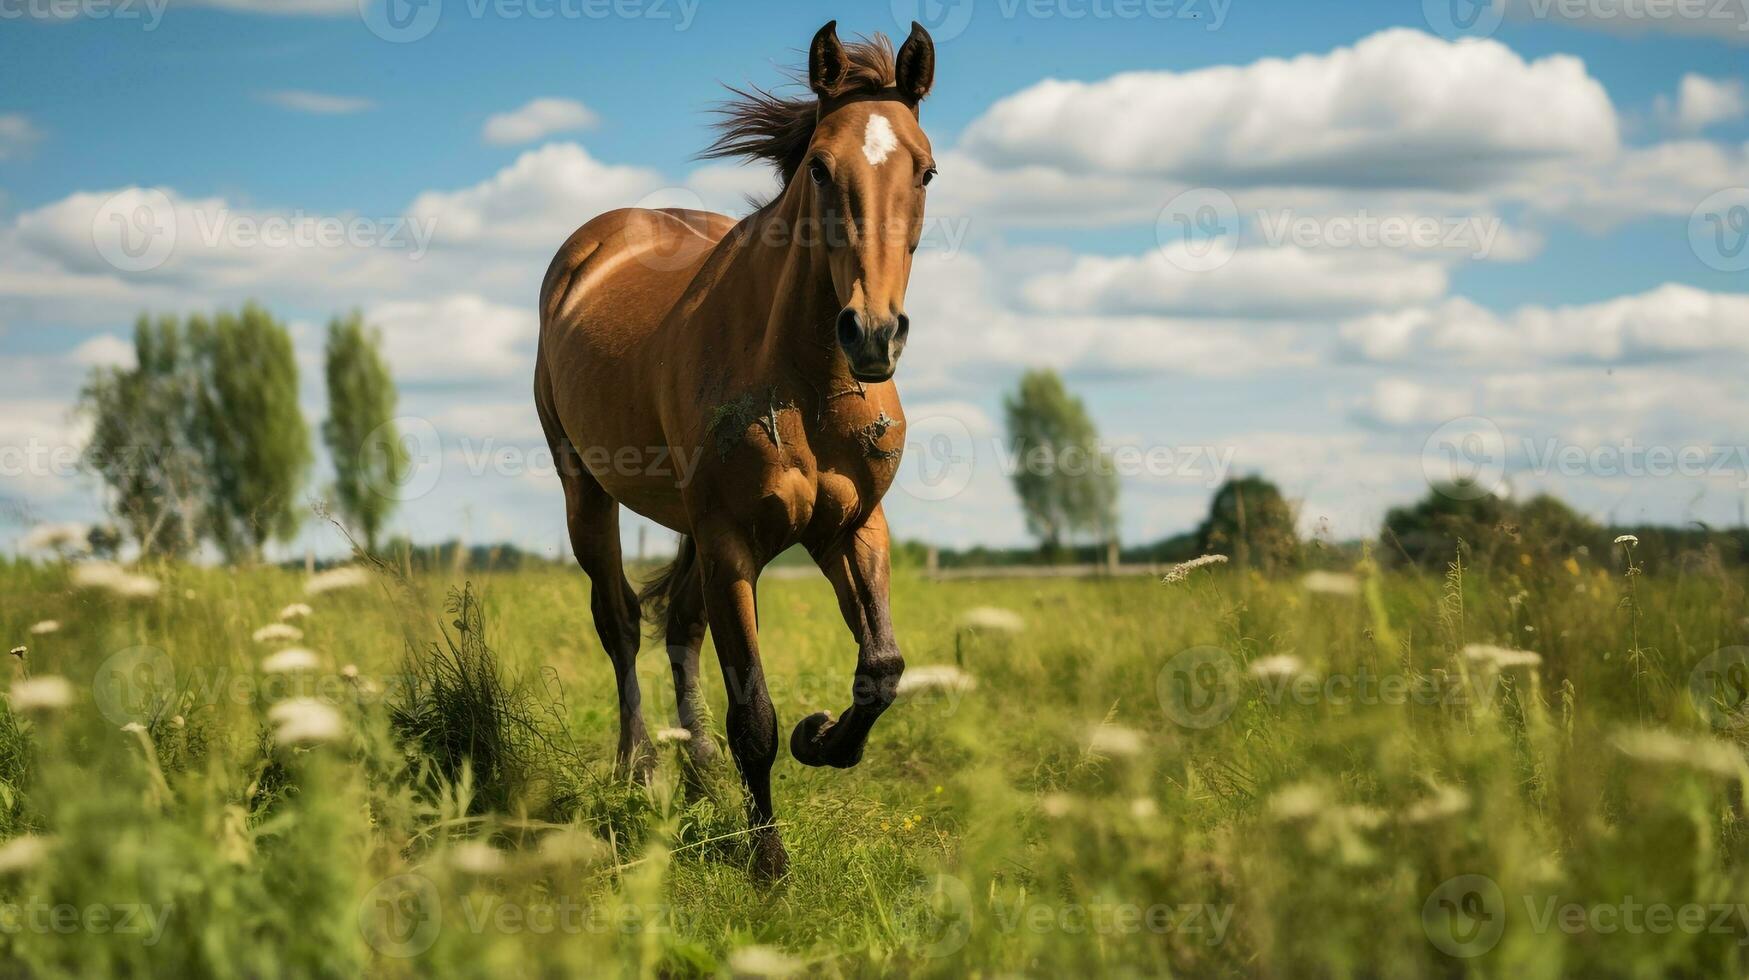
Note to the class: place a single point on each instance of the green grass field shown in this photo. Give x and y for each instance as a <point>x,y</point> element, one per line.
<point>1222,776</point>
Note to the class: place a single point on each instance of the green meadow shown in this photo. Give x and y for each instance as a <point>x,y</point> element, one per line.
<point>1537,773</point>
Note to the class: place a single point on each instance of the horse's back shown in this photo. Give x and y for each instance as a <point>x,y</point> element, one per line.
<point>634,261</point>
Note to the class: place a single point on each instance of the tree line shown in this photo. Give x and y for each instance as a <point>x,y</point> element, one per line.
<point>202,440</point>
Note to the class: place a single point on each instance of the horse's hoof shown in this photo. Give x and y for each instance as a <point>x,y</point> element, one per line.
<point>805,743</point>
<point>770,860</point>
<point>811,743</point>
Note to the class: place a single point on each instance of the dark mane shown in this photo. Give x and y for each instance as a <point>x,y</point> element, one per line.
<point>759,125</point>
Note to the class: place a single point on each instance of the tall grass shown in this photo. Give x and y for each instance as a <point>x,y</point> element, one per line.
<point>1227,775</point>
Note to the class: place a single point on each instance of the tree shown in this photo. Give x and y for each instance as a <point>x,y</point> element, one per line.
<point>256,446</point>
<point>360,431</point>
<point>1253,524</point>
<point>1065,481</point>
<point>142,440</point>
<point>1487,529</point>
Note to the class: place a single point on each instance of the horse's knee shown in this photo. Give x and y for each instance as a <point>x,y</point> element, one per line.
<point>877,675</point>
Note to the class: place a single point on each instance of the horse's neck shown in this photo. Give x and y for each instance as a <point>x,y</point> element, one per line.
<point>786,288</point>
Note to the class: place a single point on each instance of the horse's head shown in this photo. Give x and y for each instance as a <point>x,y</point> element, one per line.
<point>868,166</point>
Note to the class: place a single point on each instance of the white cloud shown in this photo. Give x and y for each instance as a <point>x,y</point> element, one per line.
<point>457,337</point>
<point>103,350</point>
<point>1670,321</point>
<point>1256,282</point>
<point>538,119</point>
<point>1401,402</point>
<point>1398,109</point>
<point>537,201</point>
<point>1702,102</point>
<point>316,103</point>
<point>17,135</point>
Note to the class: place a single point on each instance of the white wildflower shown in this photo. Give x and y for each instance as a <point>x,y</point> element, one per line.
<point>475,858</point>
<point>1331,583</point>
<point>935,677</point>
<point>1446,801</point>
<point>291,660</point>
<point>22,853</point>
<point>1056,805</point>
<point>278,633</point>
<point>762,961</point>
<point>335,579</point>
<point>1661,747</point>
<point>61,538</point>
<point>1627,539</point>
<point>571,847</point>
<point>45,627</point>
<point>112,578</point>
<point>41,694</point>
<point>134,728</point>
<point>20,651</point>
<point>1116,740</point>
<point>350,672</point>
<point>666,735</point>
<point>1144,808</point>
<point>297,610</point>
<point>305,721</point>
<point>1298,801</point>
<point>1501,657</point>
<point>992,619</point>
<point>1182,570</point>
<point>1278,665</point>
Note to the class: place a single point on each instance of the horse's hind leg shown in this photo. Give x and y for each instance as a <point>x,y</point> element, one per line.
<point>592,518</point>
<point>685,629</point>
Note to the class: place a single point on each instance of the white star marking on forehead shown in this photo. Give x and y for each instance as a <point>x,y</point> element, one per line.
<point>878,141</point>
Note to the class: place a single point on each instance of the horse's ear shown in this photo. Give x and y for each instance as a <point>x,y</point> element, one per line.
<point>826,61</point>
<point>914,68</point>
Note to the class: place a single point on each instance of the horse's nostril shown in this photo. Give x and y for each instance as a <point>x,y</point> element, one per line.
<point>849,328</point>
<point>904,328</point>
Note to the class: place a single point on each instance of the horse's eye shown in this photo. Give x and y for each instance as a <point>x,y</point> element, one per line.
<point>818,173</point>
<point>928,175</point>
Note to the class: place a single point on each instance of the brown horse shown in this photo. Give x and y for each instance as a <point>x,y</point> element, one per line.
<point>733,382</point>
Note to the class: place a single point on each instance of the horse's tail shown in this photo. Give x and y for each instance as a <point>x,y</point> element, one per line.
<point>674,577</point>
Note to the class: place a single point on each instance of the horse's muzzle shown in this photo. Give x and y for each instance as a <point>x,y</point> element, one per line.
<point>873,351</point>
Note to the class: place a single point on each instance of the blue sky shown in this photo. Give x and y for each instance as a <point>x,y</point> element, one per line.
<point>1584,143</point>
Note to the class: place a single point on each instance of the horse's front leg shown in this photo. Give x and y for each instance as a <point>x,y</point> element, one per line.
<point>729,576</point>
<point>858,570</point>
